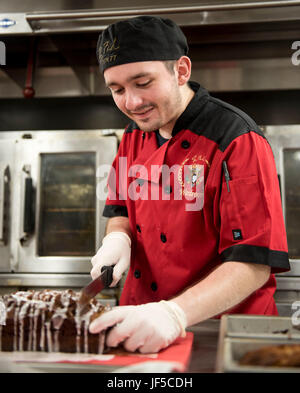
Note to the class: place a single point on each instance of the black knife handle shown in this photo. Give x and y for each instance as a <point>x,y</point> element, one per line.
<point>108,275</point>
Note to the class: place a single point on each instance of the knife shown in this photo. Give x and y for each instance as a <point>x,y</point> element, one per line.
<point>94,287</point>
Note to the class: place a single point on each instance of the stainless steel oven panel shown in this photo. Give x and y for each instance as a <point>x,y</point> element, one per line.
<point>281,138</point>
<point>28,161</point>
<point>7,149</point>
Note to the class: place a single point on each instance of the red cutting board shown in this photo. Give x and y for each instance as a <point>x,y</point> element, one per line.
<point>179,351</point>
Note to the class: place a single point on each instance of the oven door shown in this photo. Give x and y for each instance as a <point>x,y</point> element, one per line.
<point>58,214</point>
<point>285,143</point>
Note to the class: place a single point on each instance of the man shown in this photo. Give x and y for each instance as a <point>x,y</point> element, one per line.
<point>204,239</point>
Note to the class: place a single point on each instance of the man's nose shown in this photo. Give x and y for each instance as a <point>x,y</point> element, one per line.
<point>133,101</point>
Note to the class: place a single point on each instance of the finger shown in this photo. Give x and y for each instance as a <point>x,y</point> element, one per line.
<point>153,345</point>
<point>114,283</point>
<point>122,331</point>
<point>96,271</point>
<point>98,257</point>
<point>115,280</point>
<point>150,348</point>
<point>136,341</point>
<point>94,260</point>
<point>108,319</point>
<point>114,337</point>
<point>118,271</point>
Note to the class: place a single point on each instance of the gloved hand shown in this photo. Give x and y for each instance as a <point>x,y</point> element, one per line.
<point>115,250</point>
<point>147,328</point>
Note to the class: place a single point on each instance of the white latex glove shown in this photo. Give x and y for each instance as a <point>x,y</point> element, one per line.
<point>147,328</point>
<point>115,250</point>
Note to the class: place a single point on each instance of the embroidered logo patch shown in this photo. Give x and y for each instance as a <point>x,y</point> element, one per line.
<point>237,234</point>
<point>191,176</point>
<point>107,52</point>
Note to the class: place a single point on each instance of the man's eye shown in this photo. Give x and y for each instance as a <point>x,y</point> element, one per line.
<point>143,84</point>
<point>118,91</point>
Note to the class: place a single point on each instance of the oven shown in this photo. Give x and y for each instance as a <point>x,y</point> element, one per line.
<point>285,143</point>
<point>50,211</point>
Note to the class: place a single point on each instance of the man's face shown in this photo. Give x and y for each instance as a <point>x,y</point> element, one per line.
<point>147,92</point>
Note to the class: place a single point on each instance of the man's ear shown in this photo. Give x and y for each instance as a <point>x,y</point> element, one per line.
<point>184,67</point>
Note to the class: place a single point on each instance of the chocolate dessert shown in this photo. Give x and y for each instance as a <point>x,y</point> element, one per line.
<point>49,321</point>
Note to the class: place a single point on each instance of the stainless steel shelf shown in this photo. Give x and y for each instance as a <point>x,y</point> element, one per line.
<point>43,280</point>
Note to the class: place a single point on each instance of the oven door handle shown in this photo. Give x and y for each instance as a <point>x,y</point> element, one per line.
<point>28,226</point>
<point>29,210</point>
<point>3,201</point>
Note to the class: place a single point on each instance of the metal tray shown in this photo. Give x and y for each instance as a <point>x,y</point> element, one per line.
<point>259,326</point>
<point>231,350</point>
<point>243,333</point>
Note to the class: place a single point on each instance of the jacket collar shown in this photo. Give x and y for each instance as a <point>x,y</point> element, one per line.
<point>194,107</point>
<point>151,155</point>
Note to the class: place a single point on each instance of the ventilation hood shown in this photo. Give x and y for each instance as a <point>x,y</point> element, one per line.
<point>234,45</point>
<point>33,17</point>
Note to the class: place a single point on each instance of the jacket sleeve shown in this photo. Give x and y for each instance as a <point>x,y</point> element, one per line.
<point>251,220</point>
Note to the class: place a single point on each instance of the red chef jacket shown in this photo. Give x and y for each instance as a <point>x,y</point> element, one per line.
<point>221,202</point>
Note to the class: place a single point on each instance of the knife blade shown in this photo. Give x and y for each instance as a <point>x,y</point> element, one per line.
<point>94,287</point>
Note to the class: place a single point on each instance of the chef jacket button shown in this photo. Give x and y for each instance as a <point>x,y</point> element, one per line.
<point>140,182</point>
<point>168,189</point>
<point>137,273</point>
<point>185,144</point>
<point>154,286</point>
<point>163,237</point>
<point>138,228</point>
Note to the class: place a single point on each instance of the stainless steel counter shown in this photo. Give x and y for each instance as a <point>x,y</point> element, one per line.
<point>204,351</point>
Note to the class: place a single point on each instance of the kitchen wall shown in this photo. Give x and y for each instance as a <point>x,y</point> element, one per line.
<point>73,113</point>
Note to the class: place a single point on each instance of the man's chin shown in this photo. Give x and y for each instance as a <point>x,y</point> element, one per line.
<point>147,127</point>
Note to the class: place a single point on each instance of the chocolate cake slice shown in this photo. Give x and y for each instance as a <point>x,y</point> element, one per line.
<point>49,321</point>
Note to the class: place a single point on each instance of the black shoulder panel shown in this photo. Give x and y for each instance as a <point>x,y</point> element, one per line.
<point>222,122</point>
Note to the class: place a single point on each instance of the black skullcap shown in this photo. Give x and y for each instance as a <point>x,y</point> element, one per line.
<point>143,38</point>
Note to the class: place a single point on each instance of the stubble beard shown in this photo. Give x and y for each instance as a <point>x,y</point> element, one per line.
<point>170,107</point>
